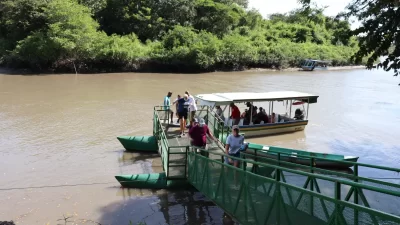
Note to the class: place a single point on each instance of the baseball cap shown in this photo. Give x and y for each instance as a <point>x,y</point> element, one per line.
<point>235,127</point>
<point>202,122</point>
<point>195,120</point>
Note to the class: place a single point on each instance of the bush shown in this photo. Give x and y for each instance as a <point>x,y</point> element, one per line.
<point>237,51</point>
<point>204,35</point>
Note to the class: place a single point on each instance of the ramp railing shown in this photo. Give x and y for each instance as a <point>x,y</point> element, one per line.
<point>347,196</point>
<point>173,158</point>
<point>256,198</point>
<point>357,195</point>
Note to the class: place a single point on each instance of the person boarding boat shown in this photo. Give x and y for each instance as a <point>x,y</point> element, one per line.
<point>182,113</point>
<point>192,106</point>
<point>198,133</point>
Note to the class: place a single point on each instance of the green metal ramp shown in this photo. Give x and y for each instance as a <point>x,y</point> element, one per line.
<point>271,191</point>
<point>254,199</point>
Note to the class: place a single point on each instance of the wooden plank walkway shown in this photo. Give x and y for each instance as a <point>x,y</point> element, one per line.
<point>177,150</point>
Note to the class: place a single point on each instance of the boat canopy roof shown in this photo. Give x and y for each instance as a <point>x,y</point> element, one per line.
<point>315,60</point>
<point>226,98</point>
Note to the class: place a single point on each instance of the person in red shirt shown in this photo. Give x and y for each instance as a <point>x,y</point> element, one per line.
<point>198,133</point>
<point>235,116</point>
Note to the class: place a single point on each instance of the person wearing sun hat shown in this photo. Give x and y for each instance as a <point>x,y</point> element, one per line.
<point>234,144</point>
<point>198,133</point>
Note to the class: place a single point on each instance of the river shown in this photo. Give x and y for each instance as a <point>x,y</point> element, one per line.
<point>59,151</point>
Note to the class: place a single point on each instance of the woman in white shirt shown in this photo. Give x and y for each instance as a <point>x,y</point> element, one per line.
<point>192,106</point>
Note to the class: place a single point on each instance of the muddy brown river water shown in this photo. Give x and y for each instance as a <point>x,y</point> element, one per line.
<point>59,152</point>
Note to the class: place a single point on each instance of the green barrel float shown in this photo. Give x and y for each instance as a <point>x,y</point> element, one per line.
<point>139,143</point>
<point>150,181</point>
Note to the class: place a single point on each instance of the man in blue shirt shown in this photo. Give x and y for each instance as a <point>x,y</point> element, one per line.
<point>182,112</point>
<point>167,104</point>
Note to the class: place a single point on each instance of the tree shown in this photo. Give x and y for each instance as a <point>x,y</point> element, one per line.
<point>71,35</point>
<point>125,17</point>
<point>379,33</point>
<point>148,19</point>
<point>380,30</point>
<point>217,18</point>
<point>180,35</point>
<point>18,19</point>
<point>175,12</point>
<point>94,5</point>
<point>243,3</point>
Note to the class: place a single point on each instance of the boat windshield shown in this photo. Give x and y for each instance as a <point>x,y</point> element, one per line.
<point>316,63</point>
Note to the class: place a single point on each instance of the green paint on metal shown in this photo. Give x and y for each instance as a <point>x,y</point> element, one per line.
<point>253,205</point>
<point>139,143</point>
<point>252,196</point>
<point>150,181</point>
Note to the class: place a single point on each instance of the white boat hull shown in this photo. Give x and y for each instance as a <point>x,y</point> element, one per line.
<point>308,68</point>
<point>272,129</point>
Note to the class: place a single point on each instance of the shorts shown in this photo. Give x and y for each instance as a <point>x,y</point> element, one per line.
<point>237,155</point>
<point>191,115</point>
<point>183,115</point>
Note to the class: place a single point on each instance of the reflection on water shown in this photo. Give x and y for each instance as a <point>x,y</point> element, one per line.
<point>61,131</point>
<point>295,140</point>
<point>163,207</point>
<point>148,162</point>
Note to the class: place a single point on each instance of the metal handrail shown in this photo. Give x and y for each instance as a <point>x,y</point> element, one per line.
<point>317,176</point>
<point>316,157</point>
<point>334,160</point>
<point>340,202</point>
<point>224,128</point>
<point>352,176</point>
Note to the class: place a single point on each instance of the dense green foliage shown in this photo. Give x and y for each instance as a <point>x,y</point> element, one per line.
<point>173,35</point>
<point>379,32</point>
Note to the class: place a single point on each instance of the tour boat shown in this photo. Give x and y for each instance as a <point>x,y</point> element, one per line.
<point>281,123</point>
<point>311,64</point>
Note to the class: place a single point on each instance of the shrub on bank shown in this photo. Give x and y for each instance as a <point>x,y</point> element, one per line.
<point>66,36</point>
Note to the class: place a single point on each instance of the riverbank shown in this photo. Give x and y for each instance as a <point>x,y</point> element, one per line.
<point>10,71</point>
<point>294,69</point>
<point>235,39</point>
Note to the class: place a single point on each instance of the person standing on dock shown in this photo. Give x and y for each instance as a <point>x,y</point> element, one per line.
<point>192,107</point>
<point>234,143</point>
<point>198,133</point>
<point>235,116</point>
<point>167,104</point>
<point>177,98</point>
<point>219,113</point>
<point>182,113</point>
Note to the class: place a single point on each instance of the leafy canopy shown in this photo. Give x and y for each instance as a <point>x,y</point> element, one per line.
<point>379,32</point>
